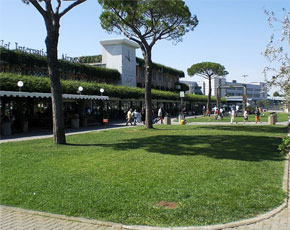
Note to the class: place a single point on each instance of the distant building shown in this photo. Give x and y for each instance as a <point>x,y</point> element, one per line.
<point>194,88</point>
<point>256,91</point>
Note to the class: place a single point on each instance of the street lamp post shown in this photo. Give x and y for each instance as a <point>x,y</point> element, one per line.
<point>101,91</point>
<point>181,94</point>
<point>80,89</point>
<point>20,85</point>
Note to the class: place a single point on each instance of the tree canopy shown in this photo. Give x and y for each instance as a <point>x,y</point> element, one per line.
<point>145,22</point>
<point>277,73</point>
<point>207,70</point>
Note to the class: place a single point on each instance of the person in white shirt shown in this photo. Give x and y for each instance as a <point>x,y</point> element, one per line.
<point>246,116</point>
<point>160,117</point>
<point>233,114</point>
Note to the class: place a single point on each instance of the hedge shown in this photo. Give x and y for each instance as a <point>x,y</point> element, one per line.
<point>8,82</point>
<point>26,61</point>
<point>140,62</point>
<point>90,59</point>
<point>163,68</point>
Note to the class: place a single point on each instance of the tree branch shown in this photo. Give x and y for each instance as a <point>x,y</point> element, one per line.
<point>49,7</point>
<point>58,6</point>
<point>77,2</point>
<point>38,7</point>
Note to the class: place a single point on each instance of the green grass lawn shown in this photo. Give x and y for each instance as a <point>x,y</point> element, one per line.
<point>215,174</point>
<point>264,117</point>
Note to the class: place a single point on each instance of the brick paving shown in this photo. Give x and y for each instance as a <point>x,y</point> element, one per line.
<point>20,219</point>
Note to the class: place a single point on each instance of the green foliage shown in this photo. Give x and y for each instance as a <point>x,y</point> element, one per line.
<point>8,82</point>
<point>183,87</point>
<point>276,94</point>
<point>28,62</point>
<point>263,103</point>
<point>162,68</point>
<point>90,59</point>
<point>284,147</point>
<point>150,19</point>
<point>207,70</point>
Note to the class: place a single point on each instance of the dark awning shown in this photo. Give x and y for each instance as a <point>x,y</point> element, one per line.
<point>48,95</point>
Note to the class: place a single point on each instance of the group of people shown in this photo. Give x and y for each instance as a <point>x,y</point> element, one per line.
<point>246,115</point>
<point>133,117</point>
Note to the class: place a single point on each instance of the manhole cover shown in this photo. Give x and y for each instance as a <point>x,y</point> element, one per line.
<point>166,204</point>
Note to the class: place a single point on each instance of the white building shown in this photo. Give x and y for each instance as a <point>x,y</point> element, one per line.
<point>256,91</point>
<point>120,54</point>
<point>215,82</point>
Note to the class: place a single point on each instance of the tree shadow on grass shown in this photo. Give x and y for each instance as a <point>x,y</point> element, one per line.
<point>245,148</point>
<point>247,128</point>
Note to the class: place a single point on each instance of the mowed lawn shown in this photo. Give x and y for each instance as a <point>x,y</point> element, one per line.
<point>212,174</point>
<point>264,118</point>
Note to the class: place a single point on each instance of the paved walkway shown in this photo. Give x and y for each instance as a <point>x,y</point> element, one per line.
<point>21,219</point>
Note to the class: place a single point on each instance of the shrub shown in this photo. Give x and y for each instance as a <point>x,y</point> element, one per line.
<point>284,147</point>
<point>8,82</point>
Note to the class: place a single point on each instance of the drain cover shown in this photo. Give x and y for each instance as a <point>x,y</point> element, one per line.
<point>166,204</point>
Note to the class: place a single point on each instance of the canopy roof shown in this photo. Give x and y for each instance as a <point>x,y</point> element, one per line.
<point>48,95</point>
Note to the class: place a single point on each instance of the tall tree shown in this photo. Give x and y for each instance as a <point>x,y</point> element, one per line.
<point>52,22</point>
<point>277,53</point>
<point>209,71</point>
<point>145,22</point>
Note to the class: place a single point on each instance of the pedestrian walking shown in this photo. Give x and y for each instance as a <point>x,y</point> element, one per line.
<point>221,113</point>
<point>129,117</point>
<point>258,114</point>
<point>246,116</point>
<point>160,115</point>
<point>216,113</point>
<point>233,114</point>
<point>135,114</point>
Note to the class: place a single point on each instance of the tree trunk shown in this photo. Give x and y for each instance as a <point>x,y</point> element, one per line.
<point>148,97</point>
<point>51,42</point>
<point>209,95</point>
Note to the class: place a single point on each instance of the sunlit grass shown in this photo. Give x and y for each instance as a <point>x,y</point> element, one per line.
<point>213,174</point>
<point>264,118</point>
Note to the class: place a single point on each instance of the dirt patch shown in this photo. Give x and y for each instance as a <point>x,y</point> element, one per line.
<point>166,204</point>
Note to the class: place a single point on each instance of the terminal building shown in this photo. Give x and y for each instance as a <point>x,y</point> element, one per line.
<point>120,54</point>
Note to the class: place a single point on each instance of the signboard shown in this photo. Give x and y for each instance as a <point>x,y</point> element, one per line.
<point>181,93</point>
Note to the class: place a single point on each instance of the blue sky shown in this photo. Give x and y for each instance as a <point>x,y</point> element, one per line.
<point>233,33</point>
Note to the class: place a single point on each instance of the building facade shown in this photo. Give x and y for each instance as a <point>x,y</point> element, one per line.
<point>120,54</point>
<point>256,91</point>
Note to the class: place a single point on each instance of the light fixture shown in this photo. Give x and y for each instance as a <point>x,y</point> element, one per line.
<point>102,90</point>
<point>20,84</point>
<point>80,89</point>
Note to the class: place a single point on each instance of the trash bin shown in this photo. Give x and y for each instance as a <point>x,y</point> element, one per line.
<point>271,120</point>
<point>274,117</point>
<point>167,120</point>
